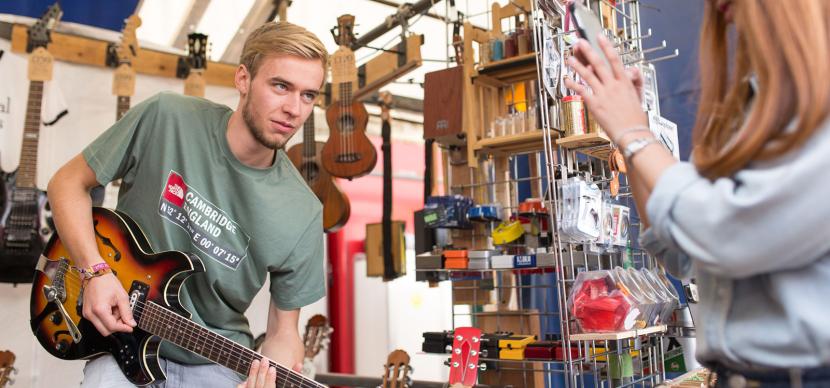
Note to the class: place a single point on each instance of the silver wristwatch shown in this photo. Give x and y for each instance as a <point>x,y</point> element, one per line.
<point>637,145</point>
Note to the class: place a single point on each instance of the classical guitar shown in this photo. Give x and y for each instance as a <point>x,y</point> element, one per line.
<point>24,217</point>
<point>397,369</point>
<point>306,157</point>
<point>465,354</point>
<point>348,153</point>
<point>152,281</point>
<point>123,87</point>
<point>194,84</point>
<point>315,339</point>
<point>7,368</point>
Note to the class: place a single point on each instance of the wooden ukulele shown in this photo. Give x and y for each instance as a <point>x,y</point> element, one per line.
<point>348,153</point>
<point>152,281</point>
<point>315,339</point>
<point>123,87</point>
<point>397,369</point>
<point>306,158</point>
<point>24,216</point>
<point>194,85</point>
<point>7,368</point>
<point>464,367</point>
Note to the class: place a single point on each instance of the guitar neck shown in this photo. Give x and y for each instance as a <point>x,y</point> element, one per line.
<point>122,106</point>
<point>345,93</point>
<point>27,173</point>
<point>197,339</point>
<point>309,147</point>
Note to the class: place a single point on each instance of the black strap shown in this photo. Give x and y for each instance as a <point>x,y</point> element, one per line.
<point>428,168</point>
<point>386,223</point>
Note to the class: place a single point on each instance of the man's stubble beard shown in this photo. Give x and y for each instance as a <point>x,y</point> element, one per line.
<point>257,132</point>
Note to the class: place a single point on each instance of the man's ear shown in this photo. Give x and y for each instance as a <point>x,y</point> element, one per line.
<point>242,79</point>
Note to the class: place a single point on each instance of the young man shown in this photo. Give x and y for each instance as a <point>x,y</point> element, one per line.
<point>199,174</point>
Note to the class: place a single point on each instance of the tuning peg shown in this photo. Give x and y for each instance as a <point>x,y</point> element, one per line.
<point>459,338</point>
<point>484,353</point>
<point>11,380</point>
<point>446,362</point>
<point>482,367</point>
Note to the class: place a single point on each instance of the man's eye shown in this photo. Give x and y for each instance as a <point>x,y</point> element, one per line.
<point>309,97</point>
<point>280,86</point>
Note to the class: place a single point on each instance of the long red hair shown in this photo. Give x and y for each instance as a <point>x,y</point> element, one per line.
<point>786,45</point>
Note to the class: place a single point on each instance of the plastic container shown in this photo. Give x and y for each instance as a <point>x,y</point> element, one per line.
<point>662,300</point>
<point>599,305</point>
<point>672,298</point>
<point>648,307</point>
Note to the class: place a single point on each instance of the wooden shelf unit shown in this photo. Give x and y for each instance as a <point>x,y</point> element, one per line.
<point>514,69</point>
<point>521,142</point>
<point>597,145</point>
<point>618,335</point>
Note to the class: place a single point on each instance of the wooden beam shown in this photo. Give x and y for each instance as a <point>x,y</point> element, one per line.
<point>93,52</point>
<point>256,17</point>
<point>384,68</point>
<point>194,16</point>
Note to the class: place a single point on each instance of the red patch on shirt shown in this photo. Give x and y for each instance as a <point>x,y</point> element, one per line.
<point>175,189</point>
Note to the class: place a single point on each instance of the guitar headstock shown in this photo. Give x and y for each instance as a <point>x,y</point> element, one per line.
<point>317,333</point>
<point>6,368</point>
<point>466,343</point>
<point>197,51</point>
<point>385,102</point>
<point>40,34</point>
<point>396,370</point>
<point>127,49</point>
<point>345,31</point>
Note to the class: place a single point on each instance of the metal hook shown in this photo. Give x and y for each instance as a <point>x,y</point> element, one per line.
<point>655,60</point>
<point>648,35</point>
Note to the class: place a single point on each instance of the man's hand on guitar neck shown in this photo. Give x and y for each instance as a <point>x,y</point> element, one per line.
<point>107,305</point>
<point>260,375</point>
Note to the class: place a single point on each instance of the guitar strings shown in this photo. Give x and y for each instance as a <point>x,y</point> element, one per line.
<point>72,283</point>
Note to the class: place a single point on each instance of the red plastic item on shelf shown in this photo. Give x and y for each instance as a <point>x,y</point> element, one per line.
<point>598,309</point>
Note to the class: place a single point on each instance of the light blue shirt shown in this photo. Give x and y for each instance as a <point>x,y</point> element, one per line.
<point>758,244</point>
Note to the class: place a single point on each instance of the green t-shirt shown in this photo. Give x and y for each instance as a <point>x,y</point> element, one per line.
<point>188,192</point>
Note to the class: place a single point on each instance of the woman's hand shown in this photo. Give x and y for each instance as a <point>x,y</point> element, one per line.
<point>614,98</point>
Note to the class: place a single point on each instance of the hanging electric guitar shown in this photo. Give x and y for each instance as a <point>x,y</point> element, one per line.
<point>464,366</point>
<point>315,339</point>
<point>123,87</point>
<point>6,368</point>
<point>306,158</point>
<point>348,153</point>
<point>24,218</point>
<point>152,281</point>
<point>194,85</point>
<point>397,369</point>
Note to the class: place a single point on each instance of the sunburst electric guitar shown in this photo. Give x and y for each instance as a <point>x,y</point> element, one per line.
<point>152,281</point>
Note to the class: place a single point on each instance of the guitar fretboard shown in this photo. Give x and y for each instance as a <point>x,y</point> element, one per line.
<point>123,105</point>
<point>309,148</point>
<point>27,172</point>
<point>197,339</point>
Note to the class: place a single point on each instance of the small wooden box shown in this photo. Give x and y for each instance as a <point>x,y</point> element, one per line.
<point>374,249</point>
<point>443,100</point>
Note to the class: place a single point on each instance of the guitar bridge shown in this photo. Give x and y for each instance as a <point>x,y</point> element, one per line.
<point>349,157</point>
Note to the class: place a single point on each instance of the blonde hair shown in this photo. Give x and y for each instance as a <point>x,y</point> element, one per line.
<point>786,45</point>
<point>281,38</point>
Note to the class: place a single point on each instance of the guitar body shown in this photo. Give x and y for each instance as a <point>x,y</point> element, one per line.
<point>348,153</point>
<point>336,206</point>
<point>24,229</point>
<point>125,248</point>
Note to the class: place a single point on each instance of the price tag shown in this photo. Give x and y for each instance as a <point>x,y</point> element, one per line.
<point>665,131</point>
<point>123,81</point>
<point>40,65</point>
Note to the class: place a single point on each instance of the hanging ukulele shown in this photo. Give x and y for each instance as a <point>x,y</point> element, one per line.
<point>194,85</point>
<point>464,360</point>
<point>306,158</point>
<point>24,226</point>
<point>7,368</point>
<point>123,87</point>
<point>348,153</point>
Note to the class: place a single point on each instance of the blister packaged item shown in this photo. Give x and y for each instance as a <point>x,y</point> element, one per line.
<point>621,223</point>
<point>660,303</point>
<point>671,302</point>
<point>581,211</point>
<point>447,211</point>
<point>599,305</point>
<point>649,309</point>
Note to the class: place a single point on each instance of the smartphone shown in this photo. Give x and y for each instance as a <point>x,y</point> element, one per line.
<point>588,26</point>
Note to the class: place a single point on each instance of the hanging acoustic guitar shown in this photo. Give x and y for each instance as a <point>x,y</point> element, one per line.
<point>316,338</point>
<point>24,217</point>
<point>348,153</point>
<point>306,158</point>
<point>7,368</point>
<point>397,369</point>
